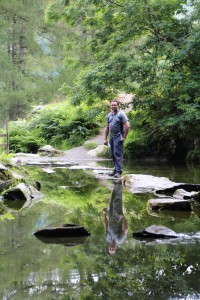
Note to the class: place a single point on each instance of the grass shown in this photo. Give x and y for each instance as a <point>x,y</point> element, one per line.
<point>90,145</point>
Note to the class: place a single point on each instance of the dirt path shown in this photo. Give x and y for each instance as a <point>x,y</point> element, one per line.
<point>81,153</point>
<point>78,155</point>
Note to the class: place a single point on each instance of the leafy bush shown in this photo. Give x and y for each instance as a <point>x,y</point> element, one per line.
<point>63,126</point>
<point>21,139</point>
<point>135,145</point>
<point>59,125</point>
<point>194,155</point>
<point>5,158</point>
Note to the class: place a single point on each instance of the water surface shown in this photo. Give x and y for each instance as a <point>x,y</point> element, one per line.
<point>32,269</point>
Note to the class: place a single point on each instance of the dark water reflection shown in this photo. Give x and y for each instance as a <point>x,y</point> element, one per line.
<point>31,269</point>
<point>116,224</point>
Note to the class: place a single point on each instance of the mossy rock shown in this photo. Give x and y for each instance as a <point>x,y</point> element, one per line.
<point>5,173</point>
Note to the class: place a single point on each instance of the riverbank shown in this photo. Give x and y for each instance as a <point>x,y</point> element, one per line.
<point>75,156</point>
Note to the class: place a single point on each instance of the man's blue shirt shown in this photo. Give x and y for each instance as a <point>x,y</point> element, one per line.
<point>116,122</point>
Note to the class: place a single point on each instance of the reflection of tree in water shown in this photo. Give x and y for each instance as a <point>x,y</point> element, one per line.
<point>116,225</point>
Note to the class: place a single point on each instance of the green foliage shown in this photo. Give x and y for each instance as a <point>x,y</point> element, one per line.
<point>59,125</point>
<point>90,51</point>
<point>90,145</point>
<point>5,158</point>
<point>194,155</point>
<point>149,49</point>
<point>6,216</point>
<point>21,139</point>
<point>62,125</point>
<point>31,69</point>
<point>136,144</point>
<point>105,153</point>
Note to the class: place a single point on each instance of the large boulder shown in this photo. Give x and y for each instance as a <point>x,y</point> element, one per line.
<point>49,151</point>
<point>4,185</point>
<point>7,174</point>
<point>7,177</point>
<point>23,192</point>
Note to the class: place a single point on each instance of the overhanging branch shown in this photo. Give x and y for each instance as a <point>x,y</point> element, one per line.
<point>115,3</point>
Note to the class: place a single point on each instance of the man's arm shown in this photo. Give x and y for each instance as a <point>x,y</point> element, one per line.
<point>125,226</point>
<point>105,220</point>
<point>124,223</point>
<point>126,130</point>
<point>106,134</point>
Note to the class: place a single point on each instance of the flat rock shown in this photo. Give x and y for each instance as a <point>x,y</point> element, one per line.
<point>48,170</point>
<point>139,183</point>
<point>182,194</point>
<point>169,204</point>
<point>67,230</point>
<point>19,154</point>
<point>81,167</point>
<point>156,231</point>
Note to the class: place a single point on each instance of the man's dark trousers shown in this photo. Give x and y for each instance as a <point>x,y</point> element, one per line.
<point>116,147</point>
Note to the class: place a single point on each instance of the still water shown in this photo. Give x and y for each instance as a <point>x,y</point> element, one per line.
<point>34,269</point>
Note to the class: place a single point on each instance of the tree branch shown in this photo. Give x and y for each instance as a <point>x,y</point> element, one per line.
<point>115,3</point>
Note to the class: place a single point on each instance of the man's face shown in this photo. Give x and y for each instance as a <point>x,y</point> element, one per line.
<point>114,106</point>
<point>112,248</point>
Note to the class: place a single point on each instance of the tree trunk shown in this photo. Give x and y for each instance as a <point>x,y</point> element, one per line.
<point>21,51</point>
<point>13,47</point>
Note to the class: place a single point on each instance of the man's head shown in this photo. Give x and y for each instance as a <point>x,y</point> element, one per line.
<point>114,104</point>
<point>112,248</point>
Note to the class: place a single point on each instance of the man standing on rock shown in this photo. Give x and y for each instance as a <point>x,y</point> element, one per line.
<point>118,127</point>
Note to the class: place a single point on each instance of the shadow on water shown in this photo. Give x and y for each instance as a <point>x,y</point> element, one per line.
<point>14,204</point>
<point>32,269</point>
<point>66,241</point>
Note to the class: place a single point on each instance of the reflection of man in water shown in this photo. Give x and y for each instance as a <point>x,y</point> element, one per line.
<point>116,225</point>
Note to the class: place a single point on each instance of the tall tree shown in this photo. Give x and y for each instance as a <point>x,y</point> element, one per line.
<point>31,70</point>
<point>148,48</point>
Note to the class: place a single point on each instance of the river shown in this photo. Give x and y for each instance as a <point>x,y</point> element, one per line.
<point>157,269</point>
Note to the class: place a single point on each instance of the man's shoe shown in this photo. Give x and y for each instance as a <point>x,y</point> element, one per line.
<point>117,175</point>
<point>111,174</point>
